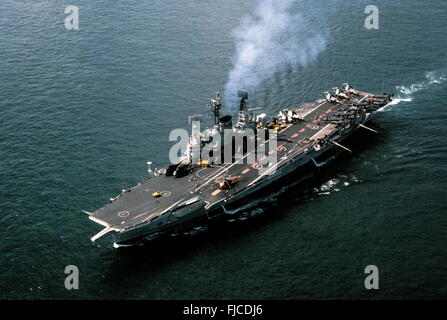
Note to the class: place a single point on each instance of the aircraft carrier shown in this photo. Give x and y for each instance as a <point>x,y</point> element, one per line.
<point>194,192</point>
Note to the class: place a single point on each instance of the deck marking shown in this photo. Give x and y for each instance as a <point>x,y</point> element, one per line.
<point>164,211</point>
<point>310,111</point>
<point>265,173</point>
<point>216,192</point>
<point>302,130</point>
<point>246,170</point>
<point>316,134</point>
<point>142,214</point>
<point>206,175</point>
<point>254,165</point>
<point>362,99</point>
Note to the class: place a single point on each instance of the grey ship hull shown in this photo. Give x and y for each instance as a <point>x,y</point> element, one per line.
<point>196,199</point>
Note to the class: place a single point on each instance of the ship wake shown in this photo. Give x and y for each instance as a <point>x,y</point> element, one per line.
<point>406,93</point>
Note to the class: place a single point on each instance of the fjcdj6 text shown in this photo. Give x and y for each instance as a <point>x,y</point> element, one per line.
<point>244,309</point>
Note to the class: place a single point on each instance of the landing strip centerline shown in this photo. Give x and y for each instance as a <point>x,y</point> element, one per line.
<point>310,111</point>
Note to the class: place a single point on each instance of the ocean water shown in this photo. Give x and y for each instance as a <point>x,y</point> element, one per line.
<point>81,111</point>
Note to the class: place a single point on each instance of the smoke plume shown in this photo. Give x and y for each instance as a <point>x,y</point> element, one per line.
<point>273,37</point>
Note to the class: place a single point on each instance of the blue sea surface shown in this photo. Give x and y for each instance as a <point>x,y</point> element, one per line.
<point>81,111</point>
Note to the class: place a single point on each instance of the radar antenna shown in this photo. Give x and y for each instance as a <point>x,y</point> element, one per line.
<point>216,105</point>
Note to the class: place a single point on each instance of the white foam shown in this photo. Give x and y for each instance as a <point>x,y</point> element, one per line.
<point>431,78</point>
<point>329,184</point>
<point>395,102</point>
<point>405,93</point>
<point>336,184</point>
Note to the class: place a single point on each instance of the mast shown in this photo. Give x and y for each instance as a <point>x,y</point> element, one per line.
<point>216,106</point>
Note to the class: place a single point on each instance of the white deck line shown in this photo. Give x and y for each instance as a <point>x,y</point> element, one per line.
<point>310,111</point>
<point>98,221</point>
<point>164,211</point>
<point>101,233</point>
<point>326,126</point>
<point>265,173</point>
<point>363,98</point>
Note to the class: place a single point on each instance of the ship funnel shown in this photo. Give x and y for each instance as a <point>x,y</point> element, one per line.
<point>243,118</point>
<point>242,94</point>
<point>226,122</point>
